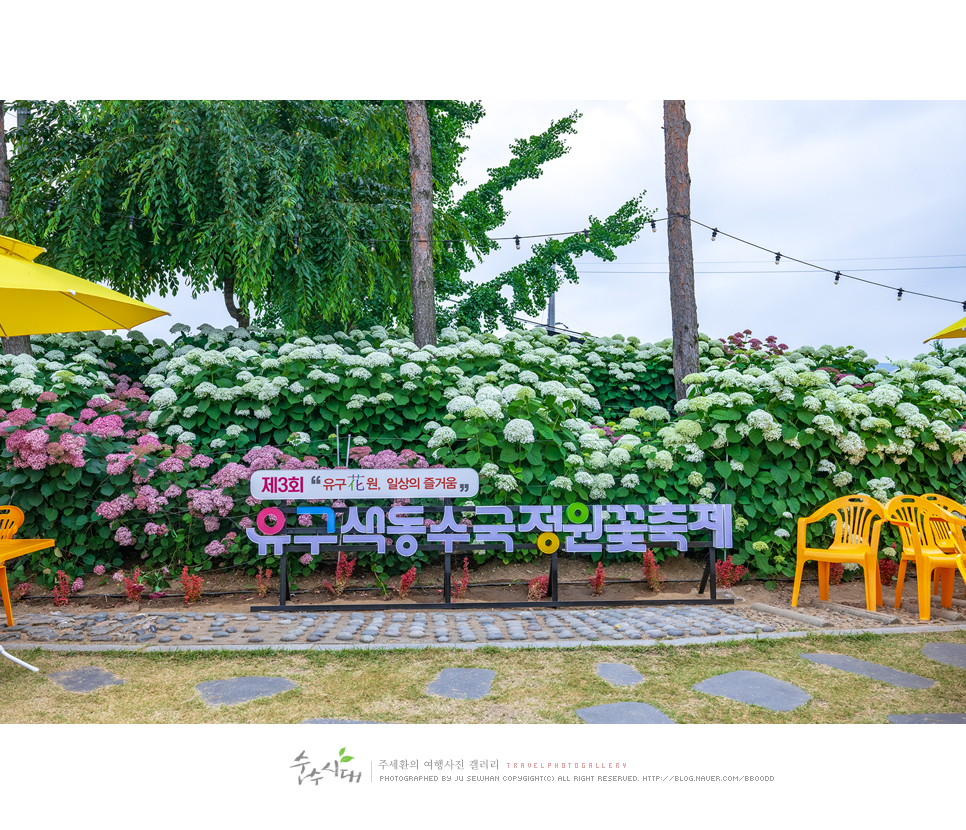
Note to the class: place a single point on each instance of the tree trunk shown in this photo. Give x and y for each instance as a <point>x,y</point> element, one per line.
<point>421,224</point>
<point>684,308</point>
<point>11,345</point>
<point>238,315</point>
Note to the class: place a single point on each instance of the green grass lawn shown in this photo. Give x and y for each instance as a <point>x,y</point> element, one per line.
<point>531,685</point>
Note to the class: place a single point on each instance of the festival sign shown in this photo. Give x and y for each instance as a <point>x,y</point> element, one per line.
<point>294,485</point>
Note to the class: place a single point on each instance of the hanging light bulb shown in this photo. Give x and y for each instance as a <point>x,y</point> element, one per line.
<point>778,258</point>
<point>517,240</point>
<point>448,245</point>
<point>837,275</point>
<point>714,234</point>
<point>654,226</point>
<point>586,235</point>
<point>372,245</point>
<point>295,239</point>
<point>49,206</point>
<point>964,305</point>
<point>899,298</point>
<point>130,223</point>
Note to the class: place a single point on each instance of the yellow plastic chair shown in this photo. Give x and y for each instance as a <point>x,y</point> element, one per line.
<point>945,530</point>
<point>10,520</point>
<point>922,524</point>
<point>857,526</point>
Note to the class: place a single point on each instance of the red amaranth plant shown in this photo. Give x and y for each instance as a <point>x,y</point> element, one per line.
<point>191,584</point>
<point>459,588</point>
<point>406,581</point>
<point>261,581</point>
<point>888,568</point>
<point>537,588</point>
<point>836,570</point>
<point>652,571</point>
<point>61,590</point>
<point>133,588</point>
<point>727,573</point>
<point>597,580</point>
<point>20,591</point>
<point>343,573</point>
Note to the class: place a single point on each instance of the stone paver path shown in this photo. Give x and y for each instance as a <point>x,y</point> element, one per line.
<point>940,717</point>
<point>463,684</point>
<point>86,679</point>
<point>619,674</point>
<point>242,689</point>
<point>755,688</point>
<point>457,626</point>
<point>627,712</point>
<point>952,654</point>
<point>874,670</point>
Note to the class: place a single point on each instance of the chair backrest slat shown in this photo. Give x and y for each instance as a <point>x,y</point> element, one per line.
<point>10,520</point>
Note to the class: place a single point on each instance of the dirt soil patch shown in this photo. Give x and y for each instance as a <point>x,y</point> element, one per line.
<point>493,581</point>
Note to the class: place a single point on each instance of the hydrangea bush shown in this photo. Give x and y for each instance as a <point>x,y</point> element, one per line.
<point>120,448</point>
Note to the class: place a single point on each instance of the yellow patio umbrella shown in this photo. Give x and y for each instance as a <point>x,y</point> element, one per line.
<point>36,299</point>
<point>957,329</point>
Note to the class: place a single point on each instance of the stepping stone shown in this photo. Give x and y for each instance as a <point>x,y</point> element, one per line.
<point>941,717</point>
<point>952,654</point>
<point>628,712</point>
<point>874,670</point>
<point>86,679</point>
<point>336,720</point>
<point>755,688</point>
<point>619,674</point>
<point>242,689</point>
<point>462,684</point>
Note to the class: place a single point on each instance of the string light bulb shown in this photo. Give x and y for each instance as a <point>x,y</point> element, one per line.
<point>295,240</point>
<point>964,305</point>
<point>778,258</point>
<point>714,234</point>
<point>448,245</point>
<point>130,223</point>
<point>372,245</point>
<point>837,275</point>
<point>517,240</point>
<point>654,226</point>
<point>586,235</point>
<point>899,298</point>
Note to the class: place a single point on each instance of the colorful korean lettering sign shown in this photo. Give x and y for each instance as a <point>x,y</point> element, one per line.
<point>585,529</point>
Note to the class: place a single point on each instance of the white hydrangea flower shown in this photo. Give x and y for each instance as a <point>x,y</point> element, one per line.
<point>442,437</point>
<point>843,479</point>
<point>695,479</point>
<point>519,431</point>
<point>630,481</point>
<point>618,456</point>
<point>505,482</point>
<point>584,478</point>
<point>562,483</point>
<point>163,398</point>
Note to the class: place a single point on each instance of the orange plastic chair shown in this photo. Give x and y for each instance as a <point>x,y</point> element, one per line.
<point>922,525</point>
<point>10,520</point>
<point>857,527</point>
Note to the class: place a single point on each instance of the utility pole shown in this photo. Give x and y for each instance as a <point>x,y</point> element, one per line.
<point>421,224</point>
<point>552,314</point>
<point>684,308</point>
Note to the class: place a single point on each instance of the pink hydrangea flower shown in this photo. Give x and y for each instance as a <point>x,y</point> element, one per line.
<point>118,576</point>
<point>202,461</point>
<point>173,464</point>
<point>230,475</point>
<point>48,397</point>
<point>99,570</point>
<point>205,502</point>
<point>59,420</point>
<point>183,451</point>
<point>123,536</point>
<point>29,448</point>
<point>149,440</point>
<point>211,523</point>
<point>115,508</point>
<point>214,549</point>
<point>305,520</point>
<point>306,559</point>
<point>88,414</point>
<point>69,450</point>
<point>173,491</point>
<point>244,523</point>
<point>21,417</point>
<point>77,586</point>
<point>108,426</point>
<point>118,462</point>
<point>152,529</point>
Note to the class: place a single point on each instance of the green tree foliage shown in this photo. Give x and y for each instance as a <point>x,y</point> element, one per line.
<point>300,208</point>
